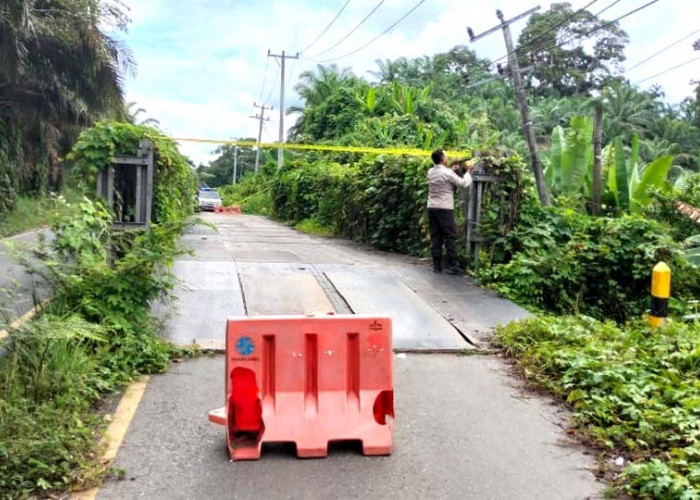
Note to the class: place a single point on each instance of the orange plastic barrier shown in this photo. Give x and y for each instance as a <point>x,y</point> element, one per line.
<point>233,209</point>
<point>308,380</point>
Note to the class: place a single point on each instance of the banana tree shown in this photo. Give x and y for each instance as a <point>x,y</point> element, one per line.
<point>571,157</point>
<point>628,181</point>
<point>692,251</point>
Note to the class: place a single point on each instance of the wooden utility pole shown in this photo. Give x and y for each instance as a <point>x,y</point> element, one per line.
<point>261,118</point>
<point>517,78</point>
<point>597,157</point>
<point>282,57</point>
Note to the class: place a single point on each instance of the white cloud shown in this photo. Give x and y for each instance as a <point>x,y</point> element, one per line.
<point>202,63</point>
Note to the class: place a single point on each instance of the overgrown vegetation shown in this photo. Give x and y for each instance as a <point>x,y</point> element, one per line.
<point>251,193</point>
<point>61,69</point>
<point>633,393</point>
<point>96,334</point>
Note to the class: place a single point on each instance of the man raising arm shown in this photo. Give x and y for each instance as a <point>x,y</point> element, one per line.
<point>442,181</point>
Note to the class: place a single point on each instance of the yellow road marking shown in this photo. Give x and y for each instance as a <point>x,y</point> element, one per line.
<point>20,322</point>
<point>116,431</point>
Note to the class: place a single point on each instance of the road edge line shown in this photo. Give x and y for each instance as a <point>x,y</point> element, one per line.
<point>24,319</point>
<point>116,431</point>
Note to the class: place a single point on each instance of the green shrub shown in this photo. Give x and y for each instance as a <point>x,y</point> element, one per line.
<point>381,200</point>
<point>251,192</point>
<point>96,334</point>
<point>174,187</point>
<point>634,393</point>
<point>561,261</point>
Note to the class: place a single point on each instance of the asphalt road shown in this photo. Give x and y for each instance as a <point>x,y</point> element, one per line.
<point>19,291</point>
<point>464,427</point>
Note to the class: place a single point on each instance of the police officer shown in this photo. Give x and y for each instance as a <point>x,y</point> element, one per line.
<point>442,181</point>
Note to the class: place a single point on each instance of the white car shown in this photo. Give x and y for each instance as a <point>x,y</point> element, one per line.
<point>208,200</point>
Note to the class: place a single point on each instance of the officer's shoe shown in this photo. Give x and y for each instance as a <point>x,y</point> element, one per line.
<point>454,270</point>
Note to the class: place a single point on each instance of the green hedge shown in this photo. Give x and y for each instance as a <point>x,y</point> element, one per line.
<point>381,200</point>
<point>174,183</point>
<point>561,261</point>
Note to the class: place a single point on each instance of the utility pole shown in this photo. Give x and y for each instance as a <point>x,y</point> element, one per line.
<point>261,119</point>
<point>283,57</point>
<point>516,76</point>
<point>235,163</point>
<point>597,157</point>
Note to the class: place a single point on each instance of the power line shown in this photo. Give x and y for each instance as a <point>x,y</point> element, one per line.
<point>351,31</point>
<point>552,28</point>
<point>661,51</point>
<point>262,89</point>
<point>326,28</point>
<point>272,89</point>
<point>291,74</point>
<point>378,36</point>
<point>602,26</point>
<point>667,70</point>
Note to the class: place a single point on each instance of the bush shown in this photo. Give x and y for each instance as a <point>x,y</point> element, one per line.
<point>632,392</point>
<point>96,335</point>
<point>561,261</point>
<point>174,183</point>
<point>251,192</point>
<point>381,200</point>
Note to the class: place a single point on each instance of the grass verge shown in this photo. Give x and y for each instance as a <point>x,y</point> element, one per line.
<point>94,337</point>
<point>634,394</point>
<point>314,227</point>
<point>30,213</point>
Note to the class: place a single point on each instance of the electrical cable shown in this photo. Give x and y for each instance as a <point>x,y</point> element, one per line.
<point>291,73</point>
<point>601,26</point>
<point>378,36</point>
<point>667,70</point>
<point>326,28</point>
<point>262,89</point>
<point>609,23</point>
<point>272,89</point>
<point>661,51</point>
<point>552,28</point>
<point>351,31</point>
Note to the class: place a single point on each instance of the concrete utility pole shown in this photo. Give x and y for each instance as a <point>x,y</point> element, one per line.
<point>516,76</point>
<point>597,157</point>
<point>235,163</point>
<point>261,118</point>
<point>283,57</point>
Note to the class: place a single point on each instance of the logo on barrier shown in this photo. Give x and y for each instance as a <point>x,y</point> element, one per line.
<point>375,325</point>
<point>245,346</point>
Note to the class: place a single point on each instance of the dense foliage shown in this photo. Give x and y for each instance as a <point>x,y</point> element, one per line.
<point>97,333</point>
<point>635,394</point>
<point>60,69</point>
<point>174,183</point>
<point>558,260</point>
<point>381,199</point>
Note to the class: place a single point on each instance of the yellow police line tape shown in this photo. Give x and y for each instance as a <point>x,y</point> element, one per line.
<point>319,147</point>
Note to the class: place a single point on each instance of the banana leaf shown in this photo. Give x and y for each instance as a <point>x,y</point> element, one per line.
<point>553,172</point>
<point>577,155</point>
<point>653,176</point>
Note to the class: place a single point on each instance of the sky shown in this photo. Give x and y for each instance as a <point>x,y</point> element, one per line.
<point>201,64</point>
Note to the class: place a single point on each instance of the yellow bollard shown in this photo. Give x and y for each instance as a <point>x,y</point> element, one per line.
<point>660,292</point>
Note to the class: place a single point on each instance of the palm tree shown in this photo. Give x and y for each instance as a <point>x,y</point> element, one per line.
<point>131,115</point>
<point>59,71</point>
